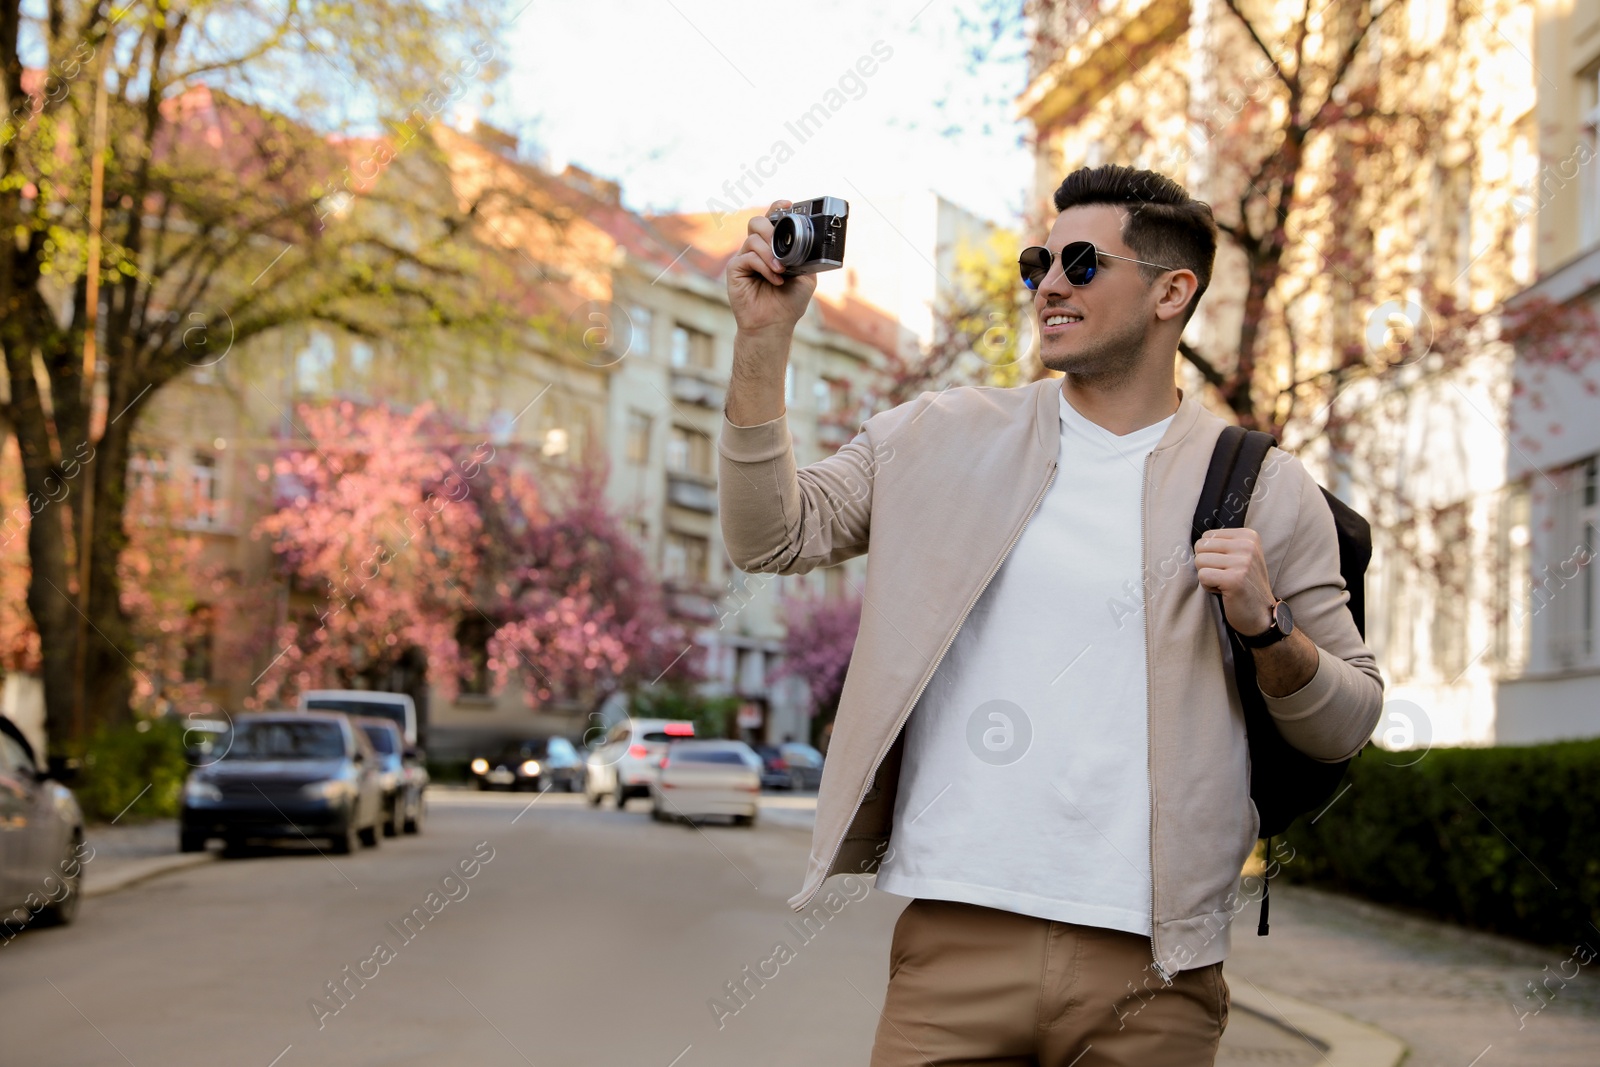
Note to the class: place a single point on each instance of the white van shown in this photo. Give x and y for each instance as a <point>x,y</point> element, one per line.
<point>398,708</point>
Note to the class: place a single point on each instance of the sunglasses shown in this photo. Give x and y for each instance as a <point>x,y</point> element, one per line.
<point>1079,262</point>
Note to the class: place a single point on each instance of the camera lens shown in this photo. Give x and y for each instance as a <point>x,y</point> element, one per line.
<point>791,240</point>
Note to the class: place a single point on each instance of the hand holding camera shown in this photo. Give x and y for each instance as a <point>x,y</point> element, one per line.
<point>769,281</point>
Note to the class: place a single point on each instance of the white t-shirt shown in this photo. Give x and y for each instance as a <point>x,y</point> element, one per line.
<point>1025,782</point>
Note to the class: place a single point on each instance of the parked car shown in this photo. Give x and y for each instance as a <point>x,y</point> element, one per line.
<point>287,774</point>
<point>699,778</point>
<point>402,785</point>
<point>397,707</point>
<point>791,765</point>
<point>41,838</point>
<point>538,763</point>
<point>624,762</point>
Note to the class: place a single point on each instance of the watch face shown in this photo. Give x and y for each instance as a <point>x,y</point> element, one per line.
<point>1282,618</point>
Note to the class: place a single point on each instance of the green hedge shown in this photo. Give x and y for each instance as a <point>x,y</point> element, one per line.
<point>121,761</point>
<point>1504,839</point>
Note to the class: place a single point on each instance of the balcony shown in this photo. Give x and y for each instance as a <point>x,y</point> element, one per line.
<point>692,491</point>
<point>692,389</point>
<point>1081,53</point>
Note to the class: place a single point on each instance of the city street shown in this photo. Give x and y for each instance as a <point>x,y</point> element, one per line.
<point>590,937</point>
<point>576,936</point>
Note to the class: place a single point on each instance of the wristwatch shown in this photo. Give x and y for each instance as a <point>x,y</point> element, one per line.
<point>1282,626</point>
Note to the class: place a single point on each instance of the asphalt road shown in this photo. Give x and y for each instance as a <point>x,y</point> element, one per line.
<point>584,937</point>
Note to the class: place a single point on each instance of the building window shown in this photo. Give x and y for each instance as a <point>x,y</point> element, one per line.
<point>643,323</point>
<point>691,349</point>
<point>472,638</point>
<point>832,394</point>
<point>689,452</point>
<point>684,558</point>
<point>638,443</point>
<point>1589,131</point>
<point>205,490</point>
<point>1566,582</point>
<point>197,662</point>
<point>1452,587</point>
<point>313,366</point>
<point>1513,606</point>
<point>147,473</point>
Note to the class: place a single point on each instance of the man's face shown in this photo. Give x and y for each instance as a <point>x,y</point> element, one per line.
<point>1108,319</point>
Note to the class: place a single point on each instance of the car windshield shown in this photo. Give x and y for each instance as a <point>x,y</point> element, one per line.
<point>394,712</point>
<point>660,735</point>
<point>279,739</point>
<point>709,755</point>
<point>382,739</point>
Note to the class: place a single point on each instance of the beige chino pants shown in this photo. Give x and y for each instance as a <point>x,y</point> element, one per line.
<point>976,985</point>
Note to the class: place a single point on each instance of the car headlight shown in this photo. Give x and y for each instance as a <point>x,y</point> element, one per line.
<point>480,766</point>
<point>530,767</point>
<point>331,789</point>
<point>200,789</point>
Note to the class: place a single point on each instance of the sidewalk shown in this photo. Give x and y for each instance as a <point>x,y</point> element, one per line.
<point>1455,997</point>
<point>124,855</point>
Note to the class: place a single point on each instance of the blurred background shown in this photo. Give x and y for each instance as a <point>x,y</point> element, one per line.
<point>382,349</point>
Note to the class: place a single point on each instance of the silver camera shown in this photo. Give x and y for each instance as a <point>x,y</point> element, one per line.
<point>809,237</point>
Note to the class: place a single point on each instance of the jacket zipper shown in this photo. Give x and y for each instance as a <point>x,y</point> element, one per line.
<point>906,712</point>
<point>1149,745</point>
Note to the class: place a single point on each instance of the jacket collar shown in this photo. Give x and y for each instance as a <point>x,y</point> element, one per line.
<point>1047,417</point>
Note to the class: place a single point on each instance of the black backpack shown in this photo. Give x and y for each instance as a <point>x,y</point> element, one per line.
<point>1285,783</point>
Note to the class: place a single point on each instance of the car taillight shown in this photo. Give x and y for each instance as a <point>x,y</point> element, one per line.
<point>679,729</point>
<point>638,751</point>
<point>779,765</point>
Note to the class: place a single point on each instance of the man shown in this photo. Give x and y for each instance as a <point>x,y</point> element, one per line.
<point>1037,741</point>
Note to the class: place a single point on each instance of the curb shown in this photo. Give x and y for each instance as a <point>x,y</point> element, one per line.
<point>131,872</point>
<point>1342,1041</point>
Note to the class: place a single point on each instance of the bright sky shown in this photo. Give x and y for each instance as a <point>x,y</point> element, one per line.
<point>676,98</point>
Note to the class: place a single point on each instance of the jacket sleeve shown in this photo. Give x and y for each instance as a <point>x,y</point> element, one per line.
<point>779,520</point>
<point>1333,715</point>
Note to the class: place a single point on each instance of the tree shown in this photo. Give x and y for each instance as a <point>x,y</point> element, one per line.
<point>819,637</point>
<point>161,219</point>
<point>378,527</point>
<point>414,546</point>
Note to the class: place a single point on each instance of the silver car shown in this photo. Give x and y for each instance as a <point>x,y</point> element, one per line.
<point>699,778</point>
<point>625,761</point>
<point>42,852</point>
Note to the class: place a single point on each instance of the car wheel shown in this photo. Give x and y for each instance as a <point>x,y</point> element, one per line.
<point>620,797</point>
<point>797,780</point>
<point>413,825</point>
<point>481,784</point>
<point>63,911</point>
<point>369,836</point>
<point>344,842</point>
<point>744,820</point>
<point>191,840</point>
<point>594,798</point>
<point>233,844</point>
<point>391,822</point>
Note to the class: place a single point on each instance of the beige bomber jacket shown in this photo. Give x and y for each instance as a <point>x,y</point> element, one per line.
<point>942,486</point>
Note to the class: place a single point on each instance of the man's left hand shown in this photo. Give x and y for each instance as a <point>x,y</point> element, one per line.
<point>1230,562</point>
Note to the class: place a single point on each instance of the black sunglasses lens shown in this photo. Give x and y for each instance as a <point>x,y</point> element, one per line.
<point>1078,262</point>
<point>1034,264</point>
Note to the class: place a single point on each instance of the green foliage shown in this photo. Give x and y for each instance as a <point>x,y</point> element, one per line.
<point>712,716</point>
<point>1504,839</point>
<point>121,761</point>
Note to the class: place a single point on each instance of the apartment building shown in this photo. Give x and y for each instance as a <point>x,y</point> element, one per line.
<point>1551,685</point>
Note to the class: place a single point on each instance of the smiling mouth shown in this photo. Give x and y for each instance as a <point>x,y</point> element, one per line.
<point>1060,318</point>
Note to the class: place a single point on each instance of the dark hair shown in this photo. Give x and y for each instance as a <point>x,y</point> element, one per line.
<point>1165,224</point>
